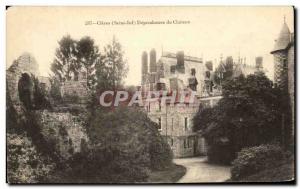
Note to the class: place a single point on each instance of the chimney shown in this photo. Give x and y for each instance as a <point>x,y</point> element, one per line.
<point>259,62</point>
<point>144,66</point>
<point>180,61</point>
<point>152,60</point>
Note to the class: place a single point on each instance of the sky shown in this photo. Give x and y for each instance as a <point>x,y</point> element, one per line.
<point>209,33</point>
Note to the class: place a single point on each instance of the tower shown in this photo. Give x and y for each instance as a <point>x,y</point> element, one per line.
<point>152,61</point>
<point>144,66</point>
<point>280,56</point>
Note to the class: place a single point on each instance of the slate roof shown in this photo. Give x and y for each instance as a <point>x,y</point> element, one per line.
<point>283,39</point>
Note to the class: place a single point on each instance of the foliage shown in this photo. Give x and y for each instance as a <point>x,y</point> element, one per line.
<point>249,114</point>
<point>31,94</point>
<point>112,67</point>
<point>24,163</point>
<point>55,91</point>
<point>65,63</point>
<point>88,55</point>
<point>25,86</point>
<point>125,146</point>
<point>104,72</point>
<point>40,99</point>
<point>11,116</point>
<point>254,159</point>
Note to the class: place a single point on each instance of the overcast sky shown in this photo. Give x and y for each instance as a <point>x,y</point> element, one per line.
<point>248,31</point>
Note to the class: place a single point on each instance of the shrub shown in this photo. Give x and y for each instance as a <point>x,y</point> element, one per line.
<point>55,91</point>
<point>24,163</point>
<point>125,146</point>
<point>161,154</point>
<point>255,159</point>
<point>219,154</point>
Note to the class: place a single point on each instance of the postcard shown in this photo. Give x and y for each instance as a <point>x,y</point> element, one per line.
<point>150,95</point>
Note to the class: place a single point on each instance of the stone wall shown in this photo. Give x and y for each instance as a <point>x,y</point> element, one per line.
<point>65,130</point>
<point>26,63</point>
<point>76,89</point>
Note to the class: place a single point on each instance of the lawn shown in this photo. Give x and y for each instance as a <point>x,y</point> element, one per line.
<point>169,175</point>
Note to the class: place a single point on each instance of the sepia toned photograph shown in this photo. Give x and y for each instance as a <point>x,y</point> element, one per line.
<point>150,95</point>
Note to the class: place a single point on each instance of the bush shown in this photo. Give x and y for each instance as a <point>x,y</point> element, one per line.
<point>161,154</point>
<point>24,163</point>
<point>255,159</point>
<point>125,147</point>
<point>219,154</point>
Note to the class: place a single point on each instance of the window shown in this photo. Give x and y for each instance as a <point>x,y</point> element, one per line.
<point>172,124</point>
<point>172,69</point>
<point>185,123</point>
<point>172,142</point>
<point>159,123</point>
<point>159,106</point>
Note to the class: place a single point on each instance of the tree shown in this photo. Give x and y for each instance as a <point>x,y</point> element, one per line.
<point>249,114</point>
<point>125,146</point>
<point>55,92</point>
<point>65,63</point>
<point>40,99</point>
<point>112,67</point>
<point>25,88</point>
<point>88,55</point>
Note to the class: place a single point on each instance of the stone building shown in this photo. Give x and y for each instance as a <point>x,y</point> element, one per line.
<point>284,65</point>
<point>177,72</point>
<point>283,54</point>
<point>241,68</point>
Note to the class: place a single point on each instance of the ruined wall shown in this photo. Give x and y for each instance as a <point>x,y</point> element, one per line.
<point>26,63</point>
<point>65,130</point>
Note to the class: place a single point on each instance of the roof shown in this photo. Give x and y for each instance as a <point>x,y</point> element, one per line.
<point>187,58</point>
<point>243,69</point>
<point>283,39</point>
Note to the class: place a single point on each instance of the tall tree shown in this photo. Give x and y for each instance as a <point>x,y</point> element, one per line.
<point>64,63</point>
<point>88,55</point>
<point>249,114</point>
<point>112,67</point>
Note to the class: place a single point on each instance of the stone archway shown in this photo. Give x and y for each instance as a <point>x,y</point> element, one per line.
<point>25,89</point>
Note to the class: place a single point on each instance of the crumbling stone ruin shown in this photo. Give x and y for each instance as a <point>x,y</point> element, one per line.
<point>64,129</point>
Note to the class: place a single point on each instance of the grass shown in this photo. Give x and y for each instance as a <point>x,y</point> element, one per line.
<point>169,175</point>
